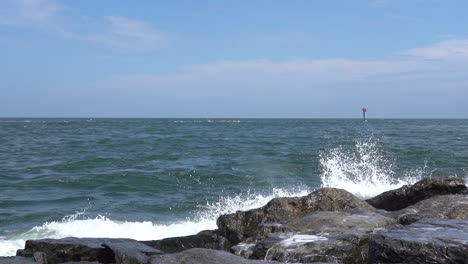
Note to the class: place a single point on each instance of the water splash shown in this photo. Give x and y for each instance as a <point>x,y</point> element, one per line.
<point>363,170</point>
<point>204,218</point>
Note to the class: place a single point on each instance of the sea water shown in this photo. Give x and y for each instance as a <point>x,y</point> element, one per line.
<point>149,179</point>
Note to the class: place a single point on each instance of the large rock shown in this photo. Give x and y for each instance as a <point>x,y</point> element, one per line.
<point>204,239</point>
<point>442,206</point>
<point>425,241</point>
<point>408,195</point>
<point>323,236</point>
<point>103,250</point>
<point>269,218</point>
<point>203,256</point>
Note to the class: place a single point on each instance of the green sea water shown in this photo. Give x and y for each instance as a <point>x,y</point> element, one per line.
<point>156,178</point>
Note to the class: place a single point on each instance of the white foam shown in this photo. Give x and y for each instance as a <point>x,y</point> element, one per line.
<point>301,239</point>
<point>363,170</point>
<point>205,218</point>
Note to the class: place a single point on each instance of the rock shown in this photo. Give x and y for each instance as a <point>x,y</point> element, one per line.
<point>130,252</point>
<point>203,256</point>
<point>40,257</point>
<point>81,262</point>
<point>270,218</point>
<point>442,206</point>
<point>16,260</point>
<point>408,195</point>
<point>244,250</point>
<point>204,239</point>
<point>323,236</point>
<point>103,250</point>
<point>425,241</point>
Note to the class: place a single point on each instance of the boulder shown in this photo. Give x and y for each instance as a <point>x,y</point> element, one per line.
<point>103,250</point>
<point>442,206</point>
<point>408,195</point>
<point>204,239</point>
<point>270,218</point>
<point>203,256</point>
<point>425,241</point>
<point>323,236</point>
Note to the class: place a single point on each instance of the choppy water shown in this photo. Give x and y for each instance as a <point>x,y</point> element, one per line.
<point>155,178</point>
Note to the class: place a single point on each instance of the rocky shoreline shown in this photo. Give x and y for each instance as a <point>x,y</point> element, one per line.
<point>423,223</point>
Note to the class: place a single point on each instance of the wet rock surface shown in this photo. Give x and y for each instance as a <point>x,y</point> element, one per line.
<point>203,256</point>
<point>408,195</point>
<point>103,250</point>
<point>443,206</point>
<point>324,236</point>
<point>270,218</point>
<point>205,239</point>
<point>426,241</point>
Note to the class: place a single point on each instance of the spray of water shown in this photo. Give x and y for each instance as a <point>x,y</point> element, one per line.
<point>363,170</point>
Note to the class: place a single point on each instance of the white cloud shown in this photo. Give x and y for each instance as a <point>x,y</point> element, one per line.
<point>444,50</point>
<point>116,32</point>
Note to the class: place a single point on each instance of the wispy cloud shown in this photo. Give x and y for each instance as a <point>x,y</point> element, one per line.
<point>444,50</point>
<point>116,32</point>
<point>29,12</point>
<point>299,81</point>
<point>120,33</point>
<point>288,80</point>
<point>333,69</point>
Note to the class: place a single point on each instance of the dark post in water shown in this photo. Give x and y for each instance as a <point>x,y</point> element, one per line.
<point>364,110</point>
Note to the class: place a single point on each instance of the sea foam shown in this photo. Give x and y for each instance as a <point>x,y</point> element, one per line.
<point>363,170</point>
<point>101,226</point>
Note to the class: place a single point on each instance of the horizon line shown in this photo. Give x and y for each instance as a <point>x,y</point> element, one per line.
<point>367,118</point>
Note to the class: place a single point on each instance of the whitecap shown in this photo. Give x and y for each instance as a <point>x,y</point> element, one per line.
<point>363,170</point>
<point>101,226</point>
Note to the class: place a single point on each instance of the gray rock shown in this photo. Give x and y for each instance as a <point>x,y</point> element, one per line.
<point>443,206</point>
<point>408,195</point>
<point>204,239</point>
<point>40,257</point>
<point>16,260</point>
<point>323,236</point>
<point>130,252</point>
<point>103,250</point>
<point>270,218</point>
<point>425,241</point>
<point>203,256</point>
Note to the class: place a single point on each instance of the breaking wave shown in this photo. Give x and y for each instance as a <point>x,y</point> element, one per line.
<point>101,226</point>
<point>363,170</point>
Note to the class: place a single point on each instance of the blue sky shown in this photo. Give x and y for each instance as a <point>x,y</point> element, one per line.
<point>305,59</point>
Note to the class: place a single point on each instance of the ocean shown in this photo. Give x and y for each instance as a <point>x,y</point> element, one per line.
<point>149,179</point>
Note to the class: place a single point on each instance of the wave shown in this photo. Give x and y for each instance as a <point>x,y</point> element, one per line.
<point>101,226</point>
<point>363,170</point>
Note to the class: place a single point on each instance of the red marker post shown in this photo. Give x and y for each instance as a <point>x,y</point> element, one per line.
<point>364,110</point>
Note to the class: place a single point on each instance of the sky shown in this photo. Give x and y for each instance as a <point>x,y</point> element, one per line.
<point>239,59</point>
